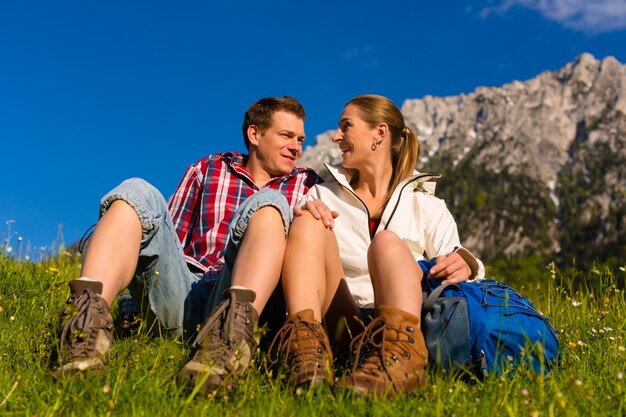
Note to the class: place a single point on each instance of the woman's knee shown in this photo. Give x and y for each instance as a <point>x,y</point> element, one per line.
<point>307,225</point>
<point>385,242</point>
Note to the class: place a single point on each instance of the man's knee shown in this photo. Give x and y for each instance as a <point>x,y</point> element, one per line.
<point>143,197</point>
<point>266,202</point>
<point>268,198</point>
<point>268,216</point>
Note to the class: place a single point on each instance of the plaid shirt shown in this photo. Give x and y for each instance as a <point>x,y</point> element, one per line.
<point>207,197</point>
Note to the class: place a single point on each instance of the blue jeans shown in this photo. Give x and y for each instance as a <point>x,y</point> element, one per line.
<point>179,297</point>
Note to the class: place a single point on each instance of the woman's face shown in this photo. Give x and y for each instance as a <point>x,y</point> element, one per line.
<point>354,138</point>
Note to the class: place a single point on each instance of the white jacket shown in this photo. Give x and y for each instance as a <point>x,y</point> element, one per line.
<point>419,218</point>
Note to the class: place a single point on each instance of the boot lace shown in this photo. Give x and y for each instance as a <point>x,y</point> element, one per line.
<point>216,341</point>
<point>382,350</point>
<point>310,347</point>
<point>78,333</point>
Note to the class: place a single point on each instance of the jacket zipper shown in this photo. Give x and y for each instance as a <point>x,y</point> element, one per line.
<point>400,195</point>
<point>397,202</point>
<point>366,209</point>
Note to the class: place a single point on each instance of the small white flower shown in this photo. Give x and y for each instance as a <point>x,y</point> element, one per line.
<point>577,303</point>
<point>579,382</point>
<point>620,375</point>
<point>12,318</point>
<point>621,268</point>
<point>9,249</point>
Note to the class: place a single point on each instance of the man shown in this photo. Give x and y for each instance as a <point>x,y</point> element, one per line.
<point>217,248</point>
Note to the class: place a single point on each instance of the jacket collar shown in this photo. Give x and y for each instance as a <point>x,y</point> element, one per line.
<point>422,181</point>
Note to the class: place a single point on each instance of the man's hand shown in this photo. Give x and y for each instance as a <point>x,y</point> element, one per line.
<point>452,267</point>
<point>318,210</point>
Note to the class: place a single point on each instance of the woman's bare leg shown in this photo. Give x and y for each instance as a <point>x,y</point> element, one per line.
<point>395,274</point>
<point>312,269</point>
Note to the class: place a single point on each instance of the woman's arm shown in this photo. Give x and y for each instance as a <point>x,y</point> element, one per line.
<point>453,262</point>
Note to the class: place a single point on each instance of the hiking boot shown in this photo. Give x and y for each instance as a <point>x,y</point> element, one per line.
<point>225,344</point>
<point>396,358</point>
<point>307,354</point>
<point>86,329</point>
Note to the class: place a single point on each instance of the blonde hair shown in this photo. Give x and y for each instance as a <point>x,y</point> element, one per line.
<point>405,147</point>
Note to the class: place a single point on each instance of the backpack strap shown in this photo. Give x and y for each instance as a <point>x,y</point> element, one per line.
<point>446,328</point>
<point>435,294</point>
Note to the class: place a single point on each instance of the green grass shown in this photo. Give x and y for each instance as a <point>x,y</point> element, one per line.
<point>140,377</point>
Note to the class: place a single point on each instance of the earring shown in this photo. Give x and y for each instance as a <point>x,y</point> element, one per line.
<point>375,145</point>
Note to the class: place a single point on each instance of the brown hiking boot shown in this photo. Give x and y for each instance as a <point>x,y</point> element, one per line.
<point>307,354</point>
<point>396,358</point>
<point>86,329</point>
<point>225,344</point>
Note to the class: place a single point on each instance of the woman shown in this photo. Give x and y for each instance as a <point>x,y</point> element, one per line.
<point>385,220</point>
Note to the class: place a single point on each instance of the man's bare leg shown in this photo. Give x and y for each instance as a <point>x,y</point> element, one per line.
<point>113,250</point>
<point>260,256</point>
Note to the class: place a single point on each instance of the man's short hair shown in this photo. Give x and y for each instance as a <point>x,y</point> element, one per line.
<point>260,113</point>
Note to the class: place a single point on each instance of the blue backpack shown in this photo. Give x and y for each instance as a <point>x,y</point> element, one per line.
<point>485,326</point>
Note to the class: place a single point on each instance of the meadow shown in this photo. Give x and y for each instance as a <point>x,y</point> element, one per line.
<point>587,307</point>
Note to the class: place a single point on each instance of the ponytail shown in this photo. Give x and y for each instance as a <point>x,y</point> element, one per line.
<point>404,154</point>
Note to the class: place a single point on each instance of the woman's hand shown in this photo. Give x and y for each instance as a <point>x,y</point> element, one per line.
<point>452,267</point>
<point>318,210</point>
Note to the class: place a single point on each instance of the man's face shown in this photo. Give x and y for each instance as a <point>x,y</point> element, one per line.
<point>280,146</point>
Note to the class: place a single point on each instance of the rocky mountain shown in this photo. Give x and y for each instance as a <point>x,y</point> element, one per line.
<point>530,167</point>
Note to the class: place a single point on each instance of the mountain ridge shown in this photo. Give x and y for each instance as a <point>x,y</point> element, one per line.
<point>530,167</point>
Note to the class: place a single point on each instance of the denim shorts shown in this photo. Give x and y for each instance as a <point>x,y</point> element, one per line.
<point>177,296</point>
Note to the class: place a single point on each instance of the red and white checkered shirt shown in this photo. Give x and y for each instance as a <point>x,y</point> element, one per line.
<point>207,198</point>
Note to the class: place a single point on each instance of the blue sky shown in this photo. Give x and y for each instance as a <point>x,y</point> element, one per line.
<point>94,92</point>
